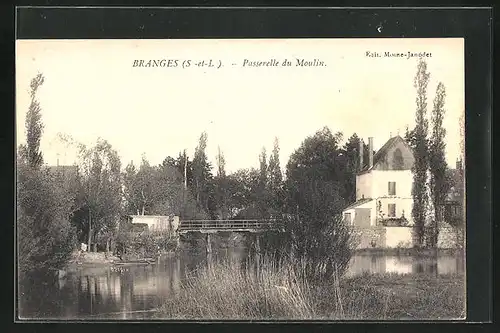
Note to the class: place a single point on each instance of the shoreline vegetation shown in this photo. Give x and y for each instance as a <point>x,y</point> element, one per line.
<point>271,291</point>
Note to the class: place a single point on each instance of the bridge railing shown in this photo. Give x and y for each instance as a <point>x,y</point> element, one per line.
<point>226,224</point>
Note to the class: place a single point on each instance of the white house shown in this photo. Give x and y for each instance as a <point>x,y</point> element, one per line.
<point>383,186</point>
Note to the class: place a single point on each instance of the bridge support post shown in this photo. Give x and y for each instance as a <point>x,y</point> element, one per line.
<point>209,243</point>
<point>257,253</point>
<point>178,241</point>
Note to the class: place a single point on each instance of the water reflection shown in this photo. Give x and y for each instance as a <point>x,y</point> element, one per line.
<point>131,292</point>
<point>380,264</point>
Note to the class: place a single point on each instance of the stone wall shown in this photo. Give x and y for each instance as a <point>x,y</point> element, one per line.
<point>402,237</point>
<point>370,237</point>
<point>399,237</point>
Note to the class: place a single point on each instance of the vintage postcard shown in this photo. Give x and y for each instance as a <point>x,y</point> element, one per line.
<point>241,179</point>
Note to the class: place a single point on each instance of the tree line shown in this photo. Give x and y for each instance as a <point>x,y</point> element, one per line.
<point>53,216</point>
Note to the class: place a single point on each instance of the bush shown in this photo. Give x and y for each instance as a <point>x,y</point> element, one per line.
<point>144,244</point>
<point>323,244</point>
<point>315,188</point>
<point>46,238</point>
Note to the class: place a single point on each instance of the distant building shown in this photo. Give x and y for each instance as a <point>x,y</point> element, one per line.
<point>383,186</point>
<point>156,222</point>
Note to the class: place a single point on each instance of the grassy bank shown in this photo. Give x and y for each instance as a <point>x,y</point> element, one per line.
<point>411,297</point>
<point>225,291</point>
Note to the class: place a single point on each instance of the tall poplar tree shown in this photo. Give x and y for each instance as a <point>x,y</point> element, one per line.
<point>262,189</point>
<point>221,186</point>
<point>275,179</point>
<point>34,127</point>
<point>437,161</point>
<point>202,178</point>
<point>420,148</point>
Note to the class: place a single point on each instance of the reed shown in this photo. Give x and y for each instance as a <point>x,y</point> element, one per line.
<point>224,290</point>
<point>273,290</point>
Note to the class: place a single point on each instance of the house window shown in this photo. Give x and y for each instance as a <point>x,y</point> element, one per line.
<point>392,188</point>
<point>391,209</point>
<point>347,218</point>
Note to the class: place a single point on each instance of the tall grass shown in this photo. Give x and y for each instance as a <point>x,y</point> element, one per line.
<point>407,296</point>
<point>267,290</point>
<point>226,291</point>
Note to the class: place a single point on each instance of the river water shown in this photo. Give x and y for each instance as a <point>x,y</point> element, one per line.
<point>133,292</point>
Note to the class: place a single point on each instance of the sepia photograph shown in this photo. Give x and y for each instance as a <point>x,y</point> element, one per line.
<point>240,179</point>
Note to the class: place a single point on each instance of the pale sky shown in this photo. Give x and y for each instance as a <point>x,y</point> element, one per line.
<point>92,90</point>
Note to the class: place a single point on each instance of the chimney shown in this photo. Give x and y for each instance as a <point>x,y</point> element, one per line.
<point>361,144</point>
<point>370,147</point>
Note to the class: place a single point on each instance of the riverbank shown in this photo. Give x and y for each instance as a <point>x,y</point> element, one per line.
<point>92,258</point>
<point>103,259</point>
<point>416,252</point>
<point>404,297</point>
<point>224,291</point>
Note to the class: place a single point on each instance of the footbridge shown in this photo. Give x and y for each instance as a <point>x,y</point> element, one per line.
<point>213,226</point>
<point>209,227</point>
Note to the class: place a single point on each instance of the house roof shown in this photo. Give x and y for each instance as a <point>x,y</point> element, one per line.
<point>382,152</point>
<point>358,203</point>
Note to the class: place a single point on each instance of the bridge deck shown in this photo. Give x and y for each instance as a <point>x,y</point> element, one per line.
<point>211,226</point>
